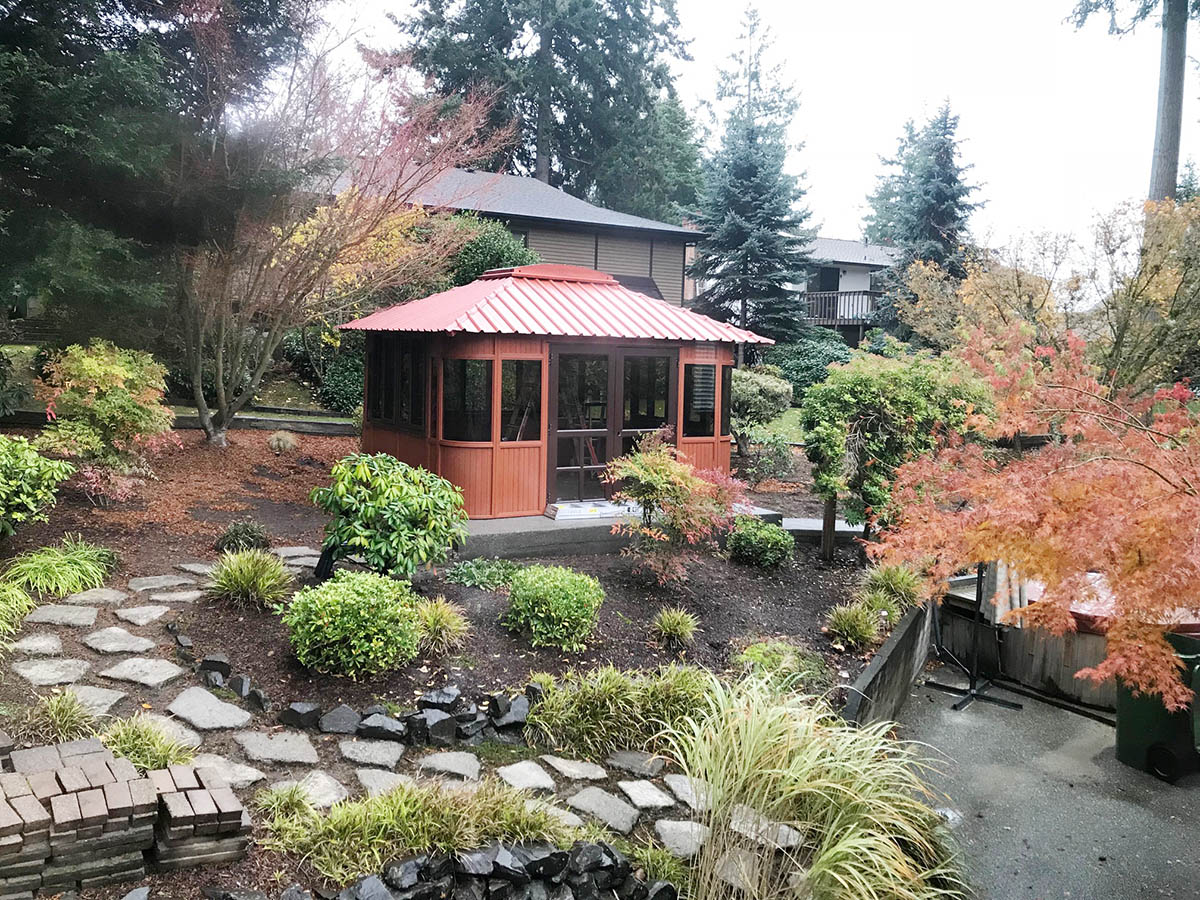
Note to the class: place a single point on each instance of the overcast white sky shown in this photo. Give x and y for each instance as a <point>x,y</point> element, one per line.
<point>1057,123</point>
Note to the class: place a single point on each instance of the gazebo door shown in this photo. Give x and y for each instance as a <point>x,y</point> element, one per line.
<point>602,402</point>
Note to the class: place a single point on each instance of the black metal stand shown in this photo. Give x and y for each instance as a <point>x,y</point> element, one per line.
<point>975,689</point>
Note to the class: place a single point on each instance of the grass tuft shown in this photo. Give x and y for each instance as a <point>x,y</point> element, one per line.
<point>443,626</point>
<point>855,624</point>
<point>786,667</point>
<point>250,578</point>
<point>488,574</point>
<point>15,605</point>
<point>245,534</point>
<point>56,718</point>
<point>883,604</point>
<point>674,627</point>
<point>899,582</point>
<point>144,743</point>
<point>56,571</point>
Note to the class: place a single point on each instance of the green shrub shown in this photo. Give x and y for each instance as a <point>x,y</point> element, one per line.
<point>492,247</point>
<point>55,719</point>
<point>28,484</point>
<point>250,578</point>
<point>855,624</point>
<point>757,398</point>
<point>244,535</point>
<point>785,667</point>
<point>806,362</point>
<point>364,835</point>
<point>489,574</point>
<point>143,742</point>
<point>397,517</point>
<point>444,626</point>
<point>357,623</point>
<point>557,606</point>
<point>758,543</point>
<point>15,605</point>
<point>899,582</point>
<point>341,387</point>
<point>769,455</point>
<point>596,712</point>
<point>674,627</point>
<point>13,391</point>
<point>73,566</point>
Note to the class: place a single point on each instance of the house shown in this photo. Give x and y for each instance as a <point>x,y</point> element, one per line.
<point>521,386</point>
<point>642,254</point>
<point>839,293</point>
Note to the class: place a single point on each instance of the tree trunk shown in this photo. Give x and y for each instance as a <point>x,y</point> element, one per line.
<point>828,529</point>
<point>217,437</point>
<point>545,61</point>
<point>1164,165</point>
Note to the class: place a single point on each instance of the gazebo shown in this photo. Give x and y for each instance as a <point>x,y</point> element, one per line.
<point>521,386</point>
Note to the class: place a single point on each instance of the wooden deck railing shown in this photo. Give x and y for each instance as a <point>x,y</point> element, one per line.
<point>840,307</point>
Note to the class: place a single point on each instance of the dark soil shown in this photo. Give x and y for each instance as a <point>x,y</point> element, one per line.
<point>791,494</point>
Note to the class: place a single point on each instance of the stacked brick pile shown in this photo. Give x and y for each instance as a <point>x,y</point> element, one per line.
<point>201,819</point>
<point>72,817</point>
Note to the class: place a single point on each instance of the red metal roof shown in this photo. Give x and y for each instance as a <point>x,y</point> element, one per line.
<point>553,300</point>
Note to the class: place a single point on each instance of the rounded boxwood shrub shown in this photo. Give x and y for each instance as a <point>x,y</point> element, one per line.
<point>357,623</point>
<point>758,543</point>
<point>557,606</point>
<point>396,516</point>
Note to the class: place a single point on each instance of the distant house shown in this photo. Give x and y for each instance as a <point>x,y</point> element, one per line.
<point>840,293</point>
<point>642,254</point>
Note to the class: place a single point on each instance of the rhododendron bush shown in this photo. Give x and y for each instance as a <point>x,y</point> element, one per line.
<point>1115,492</point>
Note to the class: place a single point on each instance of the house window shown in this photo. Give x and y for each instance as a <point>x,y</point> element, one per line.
<point>396,382</point>
<point>699,400</point>
<point>726,396</point>
<point>467,400</point>
<point>826,278</point>
<point>520,400</point>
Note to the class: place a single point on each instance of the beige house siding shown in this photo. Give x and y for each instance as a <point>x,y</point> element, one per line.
<point>623,256</point>
<point>668,270</point>
<point>569,248</point>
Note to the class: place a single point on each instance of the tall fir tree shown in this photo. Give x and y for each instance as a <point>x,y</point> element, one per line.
<point>753,258</point>
<point>586,84</point>
<point>921,205</point>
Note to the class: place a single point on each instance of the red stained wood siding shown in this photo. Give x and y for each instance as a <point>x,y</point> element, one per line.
<point>704,452</point>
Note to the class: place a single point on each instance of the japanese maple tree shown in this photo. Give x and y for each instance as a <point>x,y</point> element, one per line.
<point>1115,493</point>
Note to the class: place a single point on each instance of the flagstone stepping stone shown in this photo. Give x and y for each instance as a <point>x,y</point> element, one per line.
<point>566,817</point>
<point>115,639</point>
<point>637,762</point>
<point>646,795</point>
<point>54,614</point>
<point>175,730</point>
<point>306,562</point>
<point>100,596</point>
<point>682,838</point>
<point>458,763</point>
<point>141,670</point>
<point>237,775</point>
<point>754,825</point>
<point>196,568</point>
<point>39,645</point>
<point>290,552</point>
<point>738,868</point>
<point>575,769</point>
<point>377,781</point>
<point>96,700</point>
<point>687,791</point>
<point>372,753</point>
<point>608,808</point>
<point>202,710</point>
<point>321,788</point>
<point>526,775</point>
<point>177,596</point>
<point>45,672</point>
<point>286,747</point>
<point>159,582</point>
<point>142,615</point>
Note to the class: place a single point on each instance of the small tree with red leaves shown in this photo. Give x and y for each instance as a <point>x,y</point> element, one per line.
<point>1115,493</point>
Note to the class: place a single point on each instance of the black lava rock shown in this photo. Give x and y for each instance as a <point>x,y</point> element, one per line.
<point>295,892</point>
<point>406,872</point>
<point>436,868</point>
<point>542,861</point>
<point>534,693</point>
<point>183,642</point>
<point>583,887</point>
<point>498,890</point>
<point>212,679</point>
<point>536,891</point>
<point>217,893</point>
<point>216,662</point>
<point>585,857</point>
<point>369,888</point>
<point>509,867</point>
<point>444,699</point>
<point>172,628</point>
<point>632,889</point>
<point>240,685</point>
<point>256,699</point>
<point>470,889</point>
<point>561,892</point>
<point>466,712</point>
<point>377,709</point>
<point>615,861</point>
<point>301,715</point>
<point>662,890</point>
<point>498,705</point>
<point>472,727</point>
<point>477,862</point>
<point>518,711</point>
<point>432,726</point>
<point>340,720</point>
<point>382,728</point>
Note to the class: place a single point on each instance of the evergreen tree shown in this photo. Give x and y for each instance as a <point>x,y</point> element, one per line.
<point>585,84</point>
<point>753,257</point>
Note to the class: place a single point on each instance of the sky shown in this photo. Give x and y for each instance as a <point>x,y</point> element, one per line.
<point>1057,123</point>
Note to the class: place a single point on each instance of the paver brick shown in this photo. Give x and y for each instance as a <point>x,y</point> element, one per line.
<point>210,778</point>
<point>10,822</point>
<point>144,796</point>
<point>13,784</point>
<point>123,770</point>
<point>72,779</point>
<point>32,813</point>
<point>43,784</point>
<point>229,807</point>
<point>65,810</point>
<point>177,808</point>
<point>184,778</point>
<point>79,748</point>
<point>117,799</point>
<point>162,781</point>
<point>202,805</point>
<point>10,845</point>
<point>35,759</point>
<point>97,772</point>
<point>92,808</point>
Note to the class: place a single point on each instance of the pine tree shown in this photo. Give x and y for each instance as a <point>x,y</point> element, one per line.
<point>754,256</point>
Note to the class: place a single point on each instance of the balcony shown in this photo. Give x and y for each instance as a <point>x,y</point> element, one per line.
<point>840,307</point>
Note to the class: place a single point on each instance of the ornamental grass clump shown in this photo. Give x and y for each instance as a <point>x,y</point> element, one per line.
<point>899,582</point>
<point>243,535</point>
<point>443,625</point>
<point>364,835</point>
<point>754,542</point>
<point>73,566</point>
<point>674,627</point>
<point>355,624</point>
<point>557,606</point>
<point>15,605</point>
<point>143,742</point>
<point>855,624</point>
<point>55,719</point>
<point>852,798</point>
<point>250,578</point>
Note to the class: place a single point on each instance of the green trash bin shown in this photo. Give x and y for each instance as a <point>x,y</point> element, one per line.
<point>1154,740</point>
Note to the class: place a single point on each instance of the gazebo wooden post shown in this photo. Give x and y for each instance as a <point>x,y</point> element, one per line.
<point>828,529</point>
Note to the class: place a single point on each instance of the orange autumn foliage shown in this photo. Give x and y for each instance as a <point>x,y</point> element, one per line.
<point>1116,492</point>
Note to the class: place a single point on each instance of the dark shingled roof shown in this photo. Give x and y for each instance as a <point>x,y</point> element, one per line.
<point>527,198</point>
<point>858,253</point>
